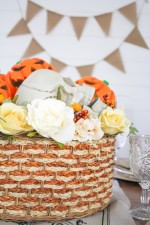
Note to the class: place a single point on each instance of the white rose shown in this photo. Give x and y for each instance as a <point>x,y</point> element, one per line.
<point>52,118</point>
<point>88,129</point>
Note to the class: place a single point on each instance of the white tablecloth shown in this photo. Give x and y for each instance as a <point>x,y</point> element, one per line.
<point>115,214</point>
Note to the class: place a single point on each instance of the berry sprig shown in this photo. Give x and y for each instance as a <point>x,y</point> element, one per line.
<point>108,102</point>
<point>84,114</point>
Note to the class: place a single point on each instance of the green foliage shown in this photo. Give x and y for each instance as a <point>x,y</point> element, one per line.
<point>19,61</point>
<point>59,94</point>
<point>133,130</point>
<point>8,136</point>
<point>60,145</point>
<point>32,134</point>
<point>14,100</point>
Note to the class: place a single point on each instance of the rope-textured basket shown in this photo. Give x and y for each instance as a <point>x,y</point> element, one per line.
<point>40,181</point>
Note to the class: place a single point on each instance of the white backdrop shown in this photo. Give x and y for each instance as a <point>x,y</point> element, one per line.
<point>132,88</point>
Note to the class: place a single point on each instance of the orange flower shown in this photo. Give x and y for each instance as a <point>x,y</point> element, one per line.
<point>76,106</point>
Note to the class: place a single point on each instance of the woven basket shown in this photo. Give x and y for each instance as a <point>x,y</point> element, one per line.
<point>40,181</point>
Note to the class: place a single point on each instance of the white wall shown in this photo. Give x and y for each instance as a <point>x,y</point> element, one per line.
<point>132,88</point>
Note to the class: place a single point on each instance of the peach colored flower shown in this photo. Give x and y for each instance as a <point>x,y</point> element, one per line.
<point>88,129</point>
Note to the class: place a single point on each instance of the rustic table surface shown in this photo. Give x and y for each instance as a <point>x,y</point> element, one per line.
<point>133,191</point>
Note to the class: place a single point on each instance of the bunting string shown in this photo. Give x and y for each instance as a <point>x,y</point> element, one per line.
<point>104,21</point>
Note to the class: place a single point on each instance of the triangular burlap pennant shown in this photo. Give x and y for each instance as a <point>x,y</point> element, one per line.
<point>52,20</point>
<point>105,22</point>
<point>20,28</point>
<point>129,12</point>
<point>78,25</point>
<point>85,70</point>
<point>115,60</point>
<point>33,49</point>
<point>32,10</point>
<point>136,38</point>
<point>57,64</point>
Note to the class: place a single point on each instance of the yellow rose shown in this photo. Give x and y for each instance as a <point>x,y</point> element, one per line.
<point>13,119</point>
<point>114,121</point>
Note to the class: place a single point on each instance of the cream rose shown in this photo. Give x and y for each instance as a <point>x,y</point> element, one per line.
<point>13,119</point>
<point>114,121</point>
<point>52,118</point>
<point>88,129</point>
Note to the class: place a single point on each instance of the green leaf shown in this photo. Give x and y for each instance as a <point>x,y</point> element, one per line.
<point>14,100</point>
<point>60,145</point>
<point>3,120</point>
<point>106,82</point>
<point>19,61</point>
<point>59,94</point>
<point>6,100</point>
<point>32,134</point>
<point>133,129</point>
<point>10,138</point>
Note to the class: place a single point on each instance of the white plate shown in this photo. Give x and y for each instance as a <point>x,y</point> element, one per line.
<point>124,174</point>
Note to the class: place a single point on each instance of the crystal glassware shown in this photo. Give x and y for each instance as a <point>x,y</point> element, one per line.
<point>140,166</point>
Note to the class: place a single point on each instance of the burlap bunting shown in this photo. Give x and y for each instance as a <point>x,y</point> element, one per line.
<point>20,28</point>
<point>129,12</point>
<point>115,60</point>
<point>33,49</point>
<point>136,38</point>
<point>57,64</point>
<point>78,25</point>
<point>85,70</point>
<point>32,10</point>
<point>104,21</point>
<point>52,20</point>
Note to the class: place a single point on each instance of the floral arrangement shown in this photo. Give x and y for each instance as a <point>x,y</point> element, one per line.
<point>66,116</point>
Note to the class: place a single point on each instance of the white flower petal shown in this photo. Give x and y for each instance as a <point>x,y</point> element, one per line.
<point>88,129</point>
<point>52,118</point>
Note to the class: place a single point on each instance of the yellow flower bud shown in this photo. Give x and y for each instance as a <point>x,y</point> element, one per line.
<point>76,106</point>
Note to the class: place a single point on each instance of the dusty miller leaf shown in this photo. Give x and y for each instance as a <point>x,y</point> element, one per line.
<point>59,94</point>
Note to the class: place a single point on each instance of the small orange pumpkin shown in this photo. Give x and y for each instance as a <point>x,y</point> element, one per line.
<point>102,90</point>
<point>20,71</point>
<point>3,88</point>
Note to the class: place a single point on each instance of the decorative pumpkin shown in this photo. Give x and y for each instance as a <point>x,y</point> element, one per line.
<point>102,90</point>
<point>20,71</point>
<point>3,88</point>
